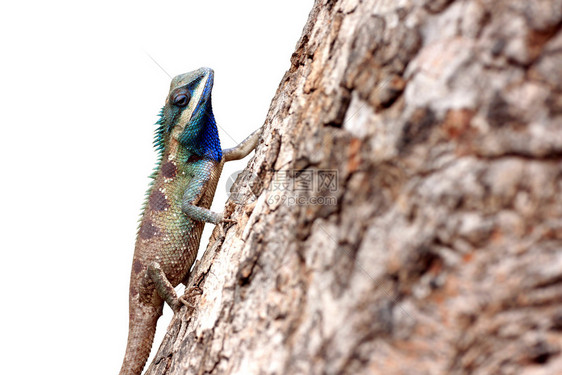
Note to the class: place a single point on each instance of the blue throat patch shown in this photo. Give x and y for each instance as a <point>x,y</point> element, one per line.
<point>203,136</point>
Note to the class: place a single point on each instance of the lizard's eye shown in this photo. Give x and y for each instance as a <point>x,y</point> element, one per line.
<point>181,99</point>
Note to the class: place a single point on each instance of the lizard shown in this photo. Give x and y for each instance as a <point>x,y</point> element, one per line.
<point>176,208</point>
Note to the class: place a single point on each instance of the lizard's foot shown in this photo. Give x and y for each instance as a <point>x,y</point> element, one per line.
<point>189,295</point>
<point>163,286</point>
<point>222,223</point>
<point>223,219</point>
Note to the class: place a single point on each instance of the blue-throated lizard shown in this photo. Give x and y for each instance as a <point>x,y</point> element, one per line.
<point>177,207</point>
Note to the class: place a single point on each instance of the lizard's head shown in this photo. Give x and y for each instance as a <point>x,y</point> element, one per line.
<point>187,116</point>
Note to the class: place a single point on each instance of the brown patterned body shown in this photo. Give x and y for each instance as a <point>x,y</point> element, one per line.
<point>171,239</point>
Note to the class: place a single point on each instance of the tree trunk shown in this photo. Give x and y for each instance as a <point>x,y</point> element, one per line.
<point>403,212</point>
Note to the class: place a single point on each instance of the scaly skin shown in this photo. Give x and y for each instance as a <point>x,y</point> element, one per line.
<point>177,207</point>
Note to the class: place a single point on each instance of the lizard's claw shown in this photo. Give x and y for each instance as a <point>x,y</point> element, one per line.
<point>189,295</point>
<point>185,302</point>
<point>223,219</point>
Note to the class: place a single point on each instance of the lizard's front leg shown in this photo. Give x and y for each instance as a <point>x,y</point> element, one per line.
<point>199,213</point>
<point>241,150</point>
<point>206,175</point>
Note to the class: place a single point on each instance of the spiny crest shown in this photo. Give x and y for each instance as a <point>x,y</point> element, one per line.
<point>159,133</point>
<point>158,143</point>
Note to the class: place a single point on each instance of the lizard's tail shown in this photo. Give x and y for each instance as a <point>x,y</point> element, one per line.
<point>142,326</point>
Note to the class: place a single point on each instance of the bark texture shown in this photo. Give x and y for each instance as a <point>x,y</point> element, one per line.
<point>440,249</point>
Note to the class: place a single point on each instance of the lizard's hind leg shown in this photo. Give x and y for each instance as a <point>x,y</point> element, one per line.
<point>163,286</point>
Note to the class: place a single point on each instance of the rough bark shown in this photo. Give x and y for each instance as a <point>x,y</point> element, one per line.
<point>441,253</point>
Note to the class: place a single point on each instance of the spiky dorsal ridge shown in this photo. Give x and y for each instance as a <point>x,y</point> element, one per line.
<point>158,143</point>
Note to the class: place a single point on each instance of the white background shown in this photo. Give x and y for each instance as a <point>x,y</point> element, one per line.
<point>79,97</point>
